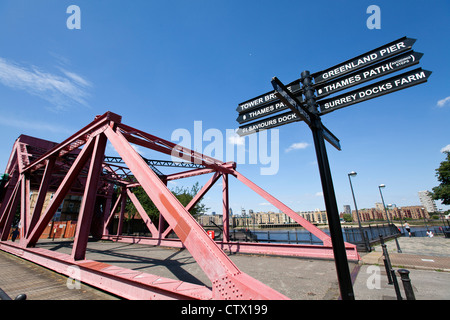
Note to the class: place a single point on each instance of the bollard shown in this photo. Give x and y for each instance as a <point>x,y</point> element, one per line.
<point>409,292</point>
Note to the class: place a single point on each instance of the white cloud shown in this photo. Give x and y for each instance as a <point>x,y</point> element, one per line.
<point>319,194</point>
<point>296,146</point>
<point>264,204</point>
<point>77,78</point>
<point>446,148</point>
<point>443,102</point>
<point>236,140</point>
<point>60,90</point>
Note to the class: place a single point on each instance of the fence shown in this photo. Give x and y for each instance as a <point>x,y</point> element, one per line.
<point>371,232</point>
<point>293,236</point>
<point>351,235</point>
<point>422,231</point>
<point>57,230</point>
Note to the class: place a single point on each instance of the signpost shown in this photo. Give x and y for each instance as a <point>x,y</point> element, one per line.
<point>368,58</point>
<point>403,81</point>
<point>370,73</point>
<point>291,101</point>
<point>262,111</point>
<point>384,60</point>
<point>302,112</point>
<point>268,123</point>
<point>265,99</point>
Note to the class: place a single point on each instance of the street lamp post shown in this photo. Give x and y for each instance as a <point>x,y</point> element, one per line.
<point>387,217</point>
<point>363,236</point>
<point>382,199</point>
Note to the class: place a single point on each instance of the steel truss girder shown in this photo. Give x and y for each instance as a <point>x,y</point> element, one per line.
<point>126,283</point>
<point>161,163</point>
<point>228,282</point>
<point>215,263</point>
<point>60,193</point>
<point>89,197</point>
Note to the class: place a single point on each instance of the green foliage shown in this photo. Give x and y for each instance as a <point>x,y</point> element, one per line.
<point>146,203</point>
<point>347,217</point>
<point>442,192</point>
<point>184,195</point>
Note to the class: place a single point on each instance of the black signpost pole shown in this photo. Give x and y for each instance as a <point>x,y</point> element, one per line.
<point>340,256</point>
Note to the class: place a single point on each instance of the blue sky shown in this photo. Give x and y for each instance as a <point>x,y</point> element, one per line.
<point>164,64</point>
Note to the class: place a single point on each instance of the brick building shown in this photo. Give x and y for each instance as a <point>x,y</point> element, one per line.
<point>396,213</point>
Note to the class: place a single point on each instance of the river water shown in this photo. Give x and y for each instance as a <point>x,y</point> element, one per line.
<point>352,235</point>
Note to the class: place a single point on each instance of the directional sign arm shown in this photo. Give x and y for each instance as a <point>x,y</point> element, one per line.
<point>268,123</point>
<point>402,81</point>
<point>383,68</point>
<point>368,58</point>
<point>331,138</point>
<point>267,98</point>
<point>291,101</point>
<point>263,111</point>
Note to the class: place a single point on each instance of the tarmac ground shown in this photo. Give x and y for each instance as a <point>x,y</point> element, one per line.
<point>427,259</point>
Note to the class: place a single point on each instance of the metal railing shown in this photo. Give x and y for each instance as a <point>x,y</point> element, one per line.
<point>372,234</point>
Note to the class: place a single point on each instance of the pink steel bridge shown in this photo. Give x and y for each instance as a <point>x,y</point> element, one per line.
<point>78,166</point>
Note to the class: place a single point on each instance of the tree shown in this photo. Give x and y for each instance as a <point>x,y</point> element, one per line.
<point>146,203</point>
<point>347,217</point>
<point>184,195</point>
<point>442,191</point>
